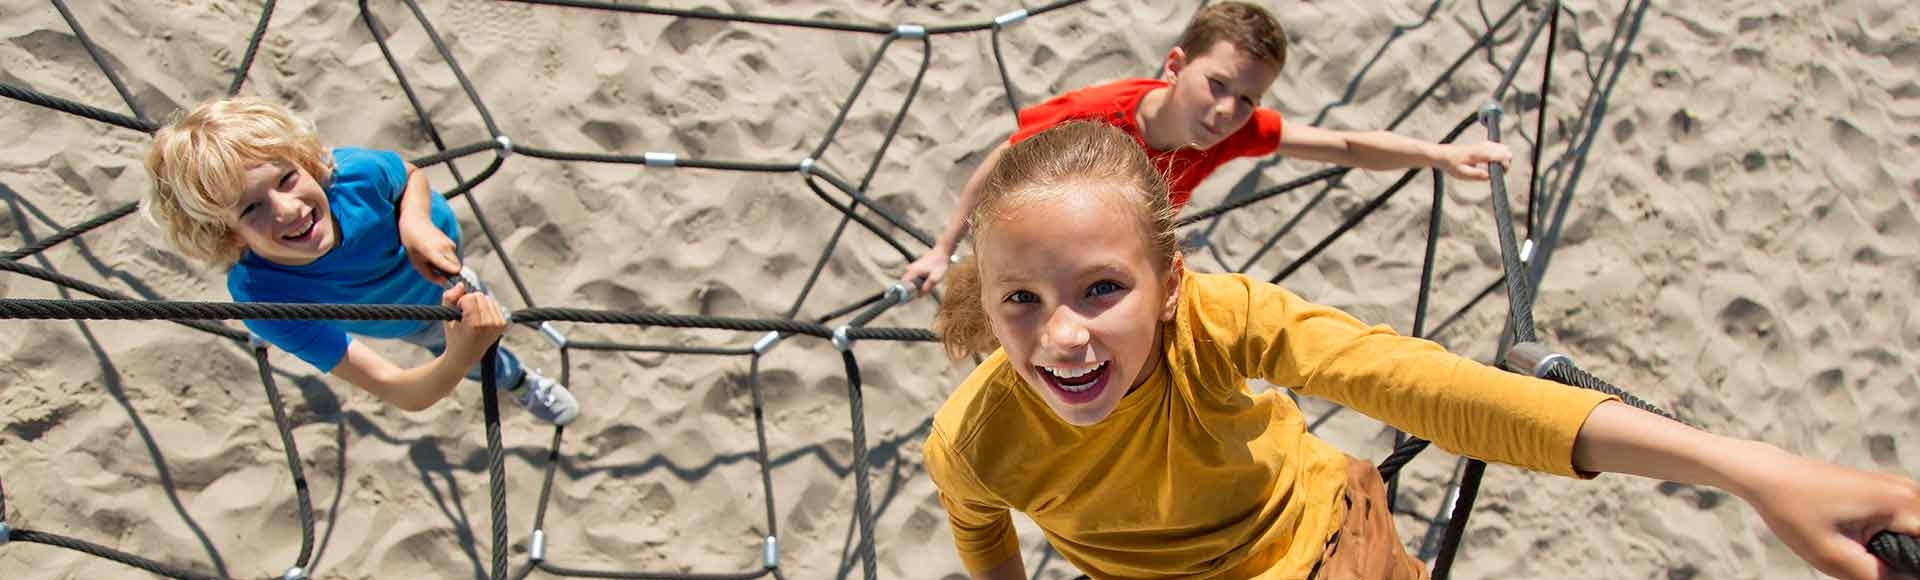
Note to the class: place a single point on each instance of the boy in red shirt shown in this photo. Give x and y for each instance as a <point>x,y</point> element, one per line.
<point>1205,114</point>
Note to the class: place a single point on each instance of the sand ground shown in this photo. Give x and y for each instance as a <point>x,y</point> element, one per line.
<point>1740,249</point>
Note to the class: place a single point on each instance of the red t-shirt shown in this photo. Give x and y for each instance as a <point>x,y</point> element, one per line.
<point>1115,103</point>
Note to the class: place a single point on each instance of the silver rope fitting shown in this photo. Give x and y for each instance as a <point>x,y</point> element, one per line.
<point>658,159</point>
<point>806,166</point>
<point>553,335</point>
<point>911,31</point>
<point>294,573</point>
<point>1490,109</point>
<point>840,339</point>
<point>1010,18</point>
<point>1533,358</point>
<point>537,546</point>
<point>254,342</point>
<point>899,293</point>
<point>953,258</point>
<point>760,347</point>
<point>6,534</point>
<point>505,146</point>
<point>771,552</point>
<point>1526,250</point>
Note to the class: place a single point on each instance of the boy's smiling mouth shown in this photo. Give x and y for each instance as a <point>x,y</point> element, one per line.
<point>305,232</point>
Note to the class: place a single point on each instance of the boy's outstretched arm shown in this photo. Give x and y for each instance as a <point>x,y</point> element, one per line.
<point>432,253</point>
<point>1824,512</point>
<point>924,274</point>
<point>415,389</point>
<point>1382,150</point>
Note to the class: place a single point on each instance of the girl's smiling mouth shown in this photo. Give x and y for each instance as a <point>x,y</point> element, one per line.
<point>1077,385</point>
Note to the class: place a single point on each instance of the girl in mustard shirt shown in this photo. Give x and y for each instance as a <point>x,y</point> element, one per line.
<point>1114,411</point>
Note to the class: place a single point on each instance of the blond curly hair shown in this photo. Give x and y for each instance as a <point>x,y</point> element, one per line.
<point>198,165</point>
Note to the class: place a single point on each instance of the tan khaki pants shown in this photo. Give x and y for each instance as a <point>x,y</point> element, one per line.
<point>1366,547</point>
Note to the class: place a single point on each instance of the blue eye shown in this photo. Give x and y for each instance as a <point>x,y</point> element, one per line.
<point>1022,297</point>
<point>1104,287</point>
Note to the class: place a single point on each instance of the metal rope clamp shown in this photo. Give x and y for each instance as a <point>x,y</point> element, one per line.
<point>766,343</point>
<point>294,573</point>
<point>1010,18</point>
<point>6,533</point>
<point>553,335</point>
<point>899,293</point>
<point>505,146</point>
<point>1534,359</point>
<point>840,339</point>
<point>537,546</point>
<point>658,159</point>
<point>770,552</point>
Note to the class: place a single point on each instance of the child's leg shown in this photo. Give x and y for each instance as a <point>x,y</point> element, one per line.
<point>1367,547</point>
<point>507,370</point>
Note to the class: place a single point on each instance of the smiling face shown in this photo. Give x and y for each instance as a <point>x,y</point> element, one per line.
<point>1212,94</point>
<point>1071,290</point>
<point>282,214</point>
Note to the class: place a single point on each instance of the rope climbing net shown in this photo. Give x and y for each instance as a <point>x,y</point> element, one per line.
<point>1523,262</point>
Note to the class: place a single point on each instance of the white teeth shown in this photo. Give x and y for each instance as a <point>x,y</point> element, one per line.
<point>1062,375</point>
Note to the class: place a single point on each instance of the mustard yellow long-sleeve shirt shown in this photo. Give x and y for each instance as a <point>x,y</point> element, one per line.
<point>1192,476</point>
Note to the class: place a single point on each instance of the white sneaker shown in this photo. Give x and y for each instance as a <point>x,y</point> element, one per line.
<point>547,399</point>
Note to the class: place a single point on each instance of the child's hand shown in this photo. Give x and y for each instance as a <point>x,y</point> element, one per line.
<point>481,321</point>
<point>924,274</point>
<point>1826,513</point>
<point>430,250</point>
<point>1469,161</point>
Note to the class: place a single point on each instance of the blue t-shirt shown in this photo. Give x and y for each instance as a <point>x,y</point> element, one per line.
<point>366,266</point>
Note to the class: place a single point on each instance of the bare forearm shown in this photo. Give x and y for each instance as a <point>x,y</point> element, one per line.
<point>969,198</point>
<point>410,389</point>
<point>1621,439</point>
<point>1382,150</point>
<point>416,201</point>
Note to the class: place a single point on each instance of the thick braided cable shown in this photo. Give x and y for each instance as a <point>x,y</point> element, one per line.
<point>1564,372</point>
<point>34,97</point>
<point>496,457</point>
<point>90,548</point>
<point>103,292</point>
<point>27,308</point>
<point>862,503</point>
<point>253,49</point>
<point>1901,552</point>
<point>62,236</point>
<point>302,496</point>
<point>93,52</point>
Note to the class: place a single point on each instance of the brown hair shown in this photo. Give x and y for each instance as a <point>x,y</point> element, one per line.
<point>1041,168</point>
<point>1247,27</point>
<point>198,164</point>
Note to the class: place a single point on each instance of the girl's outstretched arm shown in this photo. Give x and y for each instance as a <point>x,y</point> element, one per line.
<point>1824,512</point>
<point>1011,569</point>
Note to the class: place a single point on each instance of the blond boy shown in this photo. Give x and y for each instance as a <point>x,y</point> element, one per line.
<point>244,185</point>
